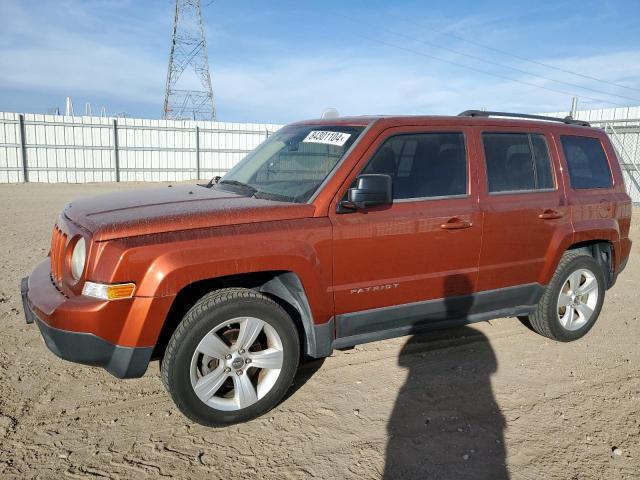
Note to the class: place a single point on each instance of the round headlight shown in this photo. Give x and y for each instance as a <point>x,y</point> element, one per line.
<point>78,257</point>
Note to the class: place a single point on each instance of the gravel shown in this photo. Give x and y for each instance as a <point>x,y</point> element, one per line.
<point>413,407</point>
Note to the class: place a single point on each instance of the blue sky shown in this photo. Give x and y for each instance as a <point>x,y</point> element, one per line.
<point>281,61</point>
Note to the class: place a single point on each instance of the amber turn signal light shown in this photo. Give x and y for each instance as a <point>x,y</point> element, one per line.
<point>108,292</point>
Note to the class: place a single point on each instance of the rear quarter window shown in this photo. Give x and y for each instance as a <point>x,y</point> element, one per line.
<point>587,162</point>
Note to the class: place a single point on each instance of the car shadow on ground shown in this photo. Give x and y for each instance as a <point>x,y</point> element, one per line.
<point>307,369</point>
<point>446,422</point>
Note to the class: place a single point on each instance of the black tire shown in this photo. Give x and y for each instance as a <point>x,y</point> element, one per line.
<point>545,319</point>
<point>210,311</point>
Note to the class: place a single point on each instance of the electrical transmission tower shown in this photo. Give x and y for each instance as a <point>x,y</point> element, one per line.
<point>188,94</point>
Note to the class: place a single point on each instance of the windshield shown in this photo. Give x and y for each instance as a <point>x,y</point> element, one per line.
<point>292,163</point>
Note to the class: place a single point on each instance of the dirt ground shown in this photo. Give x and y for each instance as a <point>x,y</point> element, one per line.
<point>493,400</point>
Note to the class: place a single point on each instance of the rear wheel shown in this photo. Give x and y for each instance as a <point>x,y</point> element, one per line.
<point>232,358</point>
<point>573,299</point>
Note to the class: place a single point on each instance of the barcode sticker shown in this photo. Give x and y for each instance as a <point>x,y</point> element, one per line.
<point>330,138</point>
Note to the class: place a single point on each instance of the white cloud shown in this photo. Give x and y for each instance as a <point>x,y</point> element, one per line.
<point>295,87</point>
<point>84,70</point>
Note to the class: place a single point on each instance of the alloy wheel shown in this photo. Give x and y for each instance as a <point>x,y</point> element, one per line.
<point>236,364</point>
<point>578,299</point>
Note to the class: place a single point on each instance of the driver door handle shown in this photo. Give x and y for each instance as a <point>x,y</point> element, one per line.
<point>455,224</point>
<point>550,214</point>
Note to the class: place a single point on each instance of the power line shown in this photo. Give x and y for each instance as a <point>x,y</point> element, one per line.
<point>520,57</point>
<point>491,62</point>
<point>485,72</point>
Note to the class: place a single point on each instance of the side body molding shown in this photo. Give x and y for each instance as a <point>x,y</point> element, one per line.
<point>399,320</point>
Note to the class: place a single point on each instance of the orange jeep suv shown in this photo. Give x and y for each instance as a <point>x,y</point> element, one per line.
<point>334,233</point>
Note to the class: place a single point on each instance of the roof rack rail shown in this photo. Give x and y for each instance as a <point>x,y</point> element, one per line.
<point>482,113</point>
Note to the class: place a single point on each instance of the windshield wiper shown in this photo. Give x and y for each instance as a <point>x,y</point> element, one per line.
<point>242,185</point>
<point>274,196</point>
<point>210,183</point>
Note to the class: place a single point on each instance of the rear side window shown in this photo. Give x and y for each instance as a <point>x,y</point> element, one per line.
<point>423,165</point>
<point>588,165</point>
<point>517,162</point>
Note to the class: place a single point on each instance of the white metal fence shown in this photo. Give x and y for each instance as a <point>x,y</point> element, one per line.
<point>626,139</point>
<point>48,148</point>
<point>53,148</point>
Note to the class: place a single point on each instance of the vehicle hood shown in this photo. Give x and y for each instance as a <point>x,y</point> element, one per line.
<point>169,209</point>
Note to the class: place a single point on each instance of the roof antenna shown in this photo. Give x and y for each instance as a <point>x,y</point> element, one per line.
<point>330,113</point>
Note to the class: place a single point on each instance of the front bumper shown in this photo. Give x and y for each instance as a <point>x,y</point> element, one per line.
<point>85,347</point>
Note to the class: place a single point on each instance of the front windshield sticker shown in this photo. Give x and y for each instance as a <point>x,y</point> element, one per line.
<point>330,138</point>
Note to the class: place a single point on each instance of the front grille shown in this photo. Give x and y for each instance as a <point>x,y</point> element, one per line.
<point>58,245</point>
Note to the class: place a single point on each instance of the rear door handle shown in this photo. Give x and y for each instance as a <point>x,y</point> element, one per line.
<point>606,205</point>
<point>455,224</point>
<point>550,215</point>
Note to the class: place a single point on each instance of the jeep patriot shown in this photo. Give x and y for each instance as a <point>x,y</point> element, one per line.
<point>330,234</point>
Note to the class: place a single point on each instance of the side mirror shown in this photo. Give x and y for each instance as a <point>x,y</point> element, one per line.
<point>372,190</point>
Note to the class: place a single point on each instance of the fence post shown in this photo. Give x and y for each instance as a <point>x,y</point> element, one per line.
<point>197,152</point>
<point>23,148</point>
<point>116,160</point>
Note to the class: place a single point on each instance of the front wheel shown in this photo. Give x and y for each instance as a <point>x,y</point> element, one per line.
<point>573,299</point>
<point>232,358</point>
